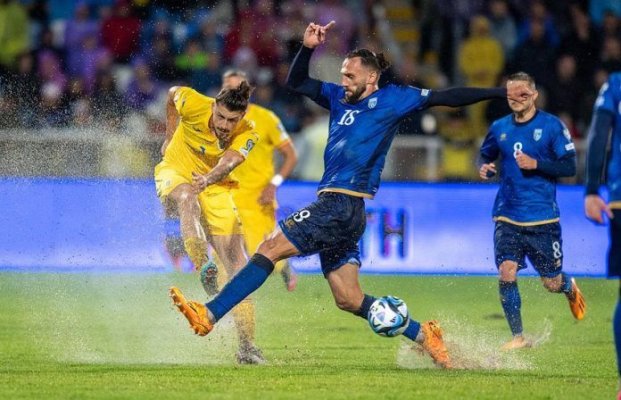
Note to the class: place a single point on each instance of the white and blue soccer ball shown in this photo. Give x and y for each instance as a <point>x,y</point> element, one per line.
<point>388,316</point>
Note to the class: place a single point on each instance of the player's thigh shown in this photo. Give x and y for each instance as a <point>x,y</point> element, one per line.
<point>614,250</point>
<point>508,244</point>
<point>167,179</point>
<point>545,249</point>
<point>219,213</point>
<point>257,224</point>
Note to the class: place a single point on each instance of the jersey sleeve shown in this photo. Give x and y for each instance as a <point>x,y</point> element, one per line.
<point>189,102</point>
<point>489,149</point>
<point>409,98</point>
<point>244,142</point>
<point>609,95</point>
<point>561,141</point>
<point>328,92</point>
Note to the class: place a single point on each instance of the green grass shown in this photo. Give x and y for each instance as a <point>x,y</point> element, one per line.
<point>118,337</point>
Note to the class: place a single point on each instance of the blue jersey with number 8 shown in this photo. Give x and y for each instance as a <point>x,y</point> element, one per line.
<point>526,197</point>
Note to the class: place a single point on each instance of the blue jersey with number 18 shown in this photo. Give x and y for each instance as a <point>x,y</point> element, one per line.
<point>610,100</point>
<point>361,133</point>
<point>526,197</point>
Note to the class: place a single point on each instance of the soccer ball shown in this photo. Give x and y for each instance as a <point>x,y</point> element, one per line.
<point>388,316</point>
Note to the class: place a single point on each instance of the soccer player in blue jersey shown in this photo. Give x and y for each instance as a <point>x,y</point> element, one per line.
<point>363,122</point>
<point>606,120</point>
<point>535,149</point>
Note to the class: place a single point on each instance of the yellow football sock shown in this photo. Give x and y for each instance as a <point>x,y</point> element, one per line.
<point>244,317</point>
<point>197,251</point>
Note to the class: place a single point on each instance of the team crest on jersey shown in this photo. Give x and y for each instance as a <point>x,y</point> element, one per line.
<point>503,137</point>
<point>537,134</point>
<point>372,102</point>
<point>567,134</point>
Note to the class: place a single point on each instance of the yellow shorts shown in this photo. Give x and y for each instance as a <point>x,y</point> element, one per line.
<point>217,207</point>
<point>257,221</point>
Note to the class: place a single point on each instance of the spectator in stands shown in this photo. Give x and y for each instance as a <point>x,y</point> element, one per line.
<point>502,26</point>
<point>481,61</point>
<point>538,13</point>
<point>77,30</point>
<point>583,42</point>
<point>161,59</point>
<point>143,90</point>
<point>108,104</point>
<point>13,32</point>
<point>566,88</point>
<point>121,32</point>
<point>536,55</point>
<point>611,54</point>
<point>23,91</point>
<point>611,25</point>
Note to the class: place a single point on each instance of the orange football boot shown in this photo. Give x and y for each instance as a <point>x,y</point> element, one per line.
<point>193,311</point>
<point>434,345</point>
<point>577,304</point>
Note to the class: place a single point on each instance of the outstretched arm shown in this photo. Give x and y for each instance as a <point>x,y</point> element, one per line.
<point>463,96</point>
<point>230,159</point>
<point>298,78</point>
<point>457,97</point>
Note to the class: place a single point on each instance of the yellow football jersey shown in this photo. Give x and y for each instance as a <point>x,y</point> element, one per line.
<point>258,170</point>
<point>194,148</point>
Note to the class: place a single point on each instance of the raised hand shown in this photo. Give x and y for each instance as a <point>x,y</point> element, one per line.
<point>519,91</point>
<point>315,34</point>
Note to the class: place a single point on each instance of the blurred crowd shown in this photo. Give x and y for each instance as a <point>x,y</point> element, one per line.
<point>108,63</point>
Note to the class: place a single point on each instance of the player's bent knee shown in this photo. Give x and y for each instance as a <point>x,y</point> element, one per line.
<point>507,271</point>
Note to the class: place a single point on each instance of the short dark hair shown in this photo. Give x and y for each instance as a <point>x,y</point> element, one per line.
<point>370,59</point>
<point>523,76</point>
<point>235,99</point>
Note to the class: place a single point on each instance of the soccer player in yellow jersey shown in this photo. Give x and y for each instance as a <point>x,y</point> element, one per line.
<point>206,139</point>
<point>255,197</point>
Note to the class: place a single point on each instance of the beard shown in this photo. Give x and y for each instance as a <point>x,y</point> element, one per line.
<point>354,96</point>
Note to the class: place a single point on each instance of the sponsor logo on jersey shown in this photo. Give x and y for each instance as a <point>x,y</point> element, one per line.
<point>570,146</point>
<point>537,134</point>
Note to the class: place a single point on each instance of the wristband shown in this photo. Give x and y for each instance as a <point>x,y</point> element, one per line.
<point>277,180</point>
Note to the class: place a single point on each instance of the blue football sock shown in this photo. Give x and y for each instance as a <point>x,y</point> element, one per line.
<point>511,304</point>
<point>363,312</point>
<point>249,279</point>
<point>616,325</point>
<point>412,330</point>
<point>565,283</point>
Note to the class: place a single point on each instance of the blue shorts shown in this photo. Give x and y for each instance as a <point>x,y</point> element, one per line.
<point>614,251</point>
<point>331,226</point>
<point>542,244</point>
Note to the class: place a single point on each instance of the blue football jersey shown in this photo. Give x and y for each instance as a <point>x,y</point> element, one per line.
<point>526,197</point>
<point>609,99</point>
<point>360,135</point>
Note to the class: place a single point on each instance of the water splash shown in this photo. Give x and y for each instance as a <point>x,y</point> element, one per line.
<point>472,348</point>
